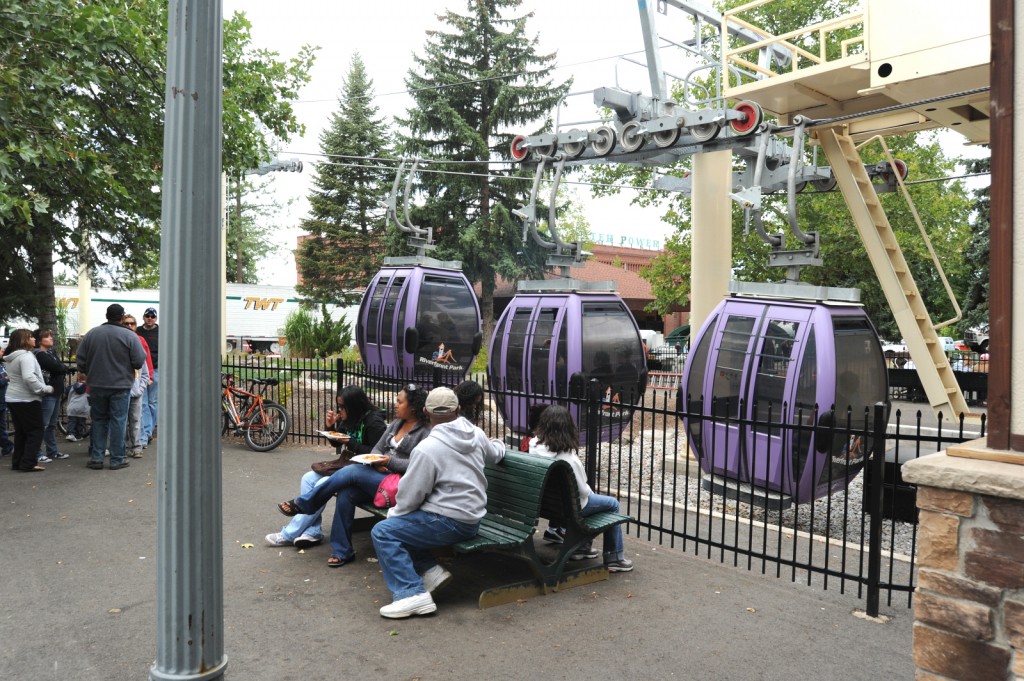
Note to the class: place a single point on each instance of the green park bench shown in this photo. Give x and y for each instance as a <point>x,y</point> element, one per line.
<point>521,490</point>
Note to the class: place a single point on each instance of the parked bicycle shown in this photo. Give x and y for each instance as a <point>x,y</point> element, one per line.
<point>263,423</point>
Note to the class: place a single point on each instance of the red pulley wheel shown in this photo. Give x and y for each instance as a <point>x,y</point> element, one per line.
<point>902,168</point>
<point>753,118</point>
<point>518,148</point>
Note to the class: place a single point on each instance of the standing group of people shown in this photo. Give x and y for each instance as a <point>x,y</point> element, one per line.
<point>440,453</point>
<point>115,387</point>
<point>113,358</point>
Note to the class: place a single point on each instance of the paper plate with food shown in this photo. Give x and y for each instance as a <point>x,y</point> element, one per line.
<point>334,435</point>
<point>369,459</point>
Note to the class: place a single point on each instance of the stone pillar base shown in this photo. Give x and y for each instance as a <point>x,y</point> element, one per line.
<point>968,607</point>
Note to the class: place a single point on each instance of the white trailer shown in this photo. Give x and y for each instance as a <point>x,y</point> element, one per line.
<point>255,314</point>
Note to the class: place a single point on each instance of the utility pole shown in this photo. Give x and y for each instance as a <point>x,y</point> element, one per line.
<point>190,569</point>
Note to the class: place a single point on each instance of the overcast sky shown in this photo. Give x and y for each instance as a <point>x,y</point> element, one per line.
<point>586,35</point>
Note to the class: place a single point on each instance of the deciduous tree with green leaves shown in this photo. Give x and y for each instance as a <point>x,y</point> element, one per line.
<point>81,116</point>
<point>479,81</point>
<point>346,221</point>
<point>977,255</point>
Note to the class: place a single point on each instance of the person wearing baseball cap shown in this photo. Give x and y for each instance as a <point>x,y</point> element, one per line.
<point>150,333</point>
<point>441,499</point>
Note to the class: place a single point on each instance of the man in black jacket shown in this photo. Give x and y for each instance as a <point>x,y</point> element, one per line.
<point>150,331</point>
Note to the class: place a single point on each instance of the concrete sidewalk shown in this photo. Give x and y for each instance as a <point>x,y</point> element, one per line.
<point>80,581</point>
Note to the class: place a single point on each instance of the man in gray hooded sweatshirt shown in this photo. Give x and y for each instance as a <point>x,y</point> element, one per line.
<point>441,499</point>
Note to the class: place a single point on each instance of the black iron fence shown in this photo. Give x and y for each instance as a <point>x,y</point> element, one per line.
<point>862,536</point>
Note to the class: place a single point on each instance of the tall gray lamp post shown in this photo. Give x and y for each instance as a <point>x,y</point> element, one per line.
<point>190,571</point>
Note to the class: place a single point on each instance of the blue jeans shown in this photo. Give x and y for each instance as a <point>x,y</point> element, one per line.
<point>354,484</point>
<point>148,412</point>
<point>597,503</point>
<point>109,412</point>
<point>76,426</point>
<point>51,410</point>
<point>303,523</point>
<point>403,544</point>
<point>133,427</point>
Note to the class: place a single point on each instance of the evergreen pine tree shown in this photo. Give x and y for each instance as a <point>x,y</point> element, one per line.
<point>479,82</point>
<point>977,254</point>
<point>346,222</point>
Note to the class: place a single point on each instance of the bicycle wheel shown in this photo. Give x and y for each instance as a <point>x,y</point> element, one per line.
<point>264,431</point>
<point>62,416</point>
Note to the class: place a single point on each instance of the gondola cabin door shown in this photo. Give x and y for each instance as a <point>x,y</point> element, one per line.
<point>755,377</point>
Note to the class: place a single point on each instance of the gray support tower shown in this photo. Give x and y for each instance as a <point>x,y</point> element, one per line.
<point>190,573</point>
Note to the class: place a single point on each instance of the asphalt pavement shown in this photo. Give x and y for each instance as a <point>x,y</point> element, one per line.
<point>79,599</point>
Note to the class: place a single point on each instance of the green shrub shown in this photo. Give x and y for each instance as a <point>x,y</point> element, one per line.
<point>480,363</point>
<point>312,336</point>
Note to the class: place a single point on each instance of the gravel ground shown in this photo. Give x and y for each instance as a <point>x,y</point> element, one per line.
<point>836,516</point>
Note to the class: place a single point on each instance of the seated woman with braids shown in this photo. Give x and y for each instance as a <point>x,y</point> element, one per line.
<point>358,483</point>
<point>363,425</point>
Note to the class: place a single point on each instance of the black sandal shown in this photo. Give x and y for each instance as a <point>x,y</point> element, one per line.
<point>337,561</point>
<point>289,508</point>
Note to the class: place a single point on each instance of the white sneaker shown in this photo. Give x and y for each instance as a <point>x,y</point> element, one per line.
<point>306,541</point>
<point>62,455</point>
<point>276,539</point>
<point>435,578</point>
<point>420,604</point>
<point>71,438</point>
<point>44,459</point>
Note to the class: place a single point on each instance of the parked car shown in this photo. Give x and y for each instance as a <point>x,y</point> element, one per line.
<point>899,354</point>
<point>896,353</point>
<point>977,338</point>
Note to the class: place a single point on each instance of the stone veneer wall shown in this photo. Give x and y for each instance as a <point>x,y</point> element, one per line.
<point>969,603</point>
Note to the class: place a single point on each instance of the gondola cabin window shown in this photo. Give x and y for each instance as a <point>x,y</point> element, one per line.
<point>732,358</point>
<point>373,316</point>
<point>612,351</point>
<point>543,352</point>
<point>391,304</point>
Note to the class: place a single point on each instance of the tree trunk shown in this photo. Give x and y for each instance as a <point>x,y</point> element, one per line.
<point>41,256</point>
<point>487,278</point>
<point>239,263</point>
<point>487,308</point>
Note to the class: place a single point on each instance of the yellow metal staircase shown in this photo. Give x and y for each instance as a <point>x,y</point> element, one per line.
<point>897,282</point>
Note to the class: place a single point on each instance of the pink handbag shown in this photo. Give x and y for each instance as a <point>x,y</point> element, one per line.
<point>387,491</point>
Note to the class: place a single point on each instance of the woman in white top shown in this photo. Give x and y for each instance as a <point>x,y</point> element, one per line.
<point>558,438</point>
<point>24,400</point>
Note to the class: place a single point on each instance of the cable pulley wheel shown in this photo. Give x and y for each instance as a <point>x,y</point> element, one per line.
<point>518,148</point>
<point>631,138</point>
<point>665,138</point>
<point>825,185</point>
<point>573,149</point>
<point>605,141</point>
<point>547,150</point>
<point>705,132</point>
<point>753,117</point>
